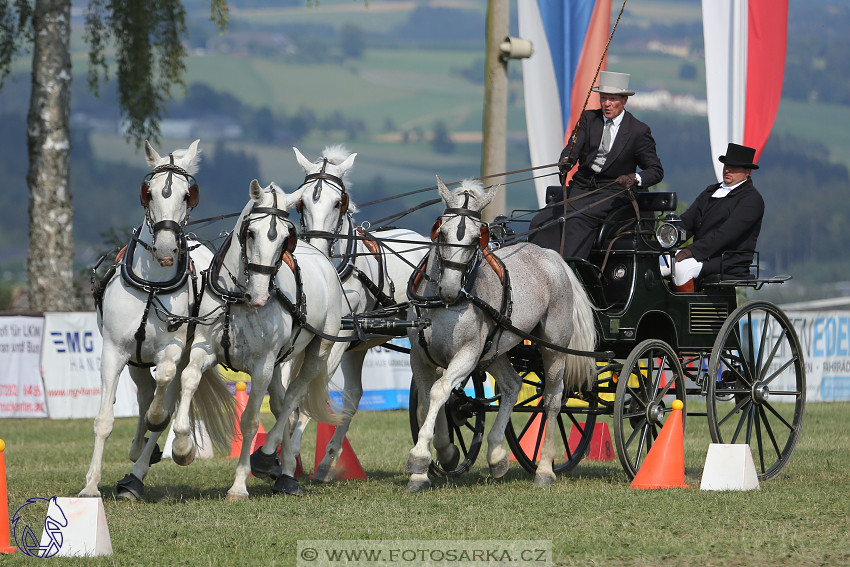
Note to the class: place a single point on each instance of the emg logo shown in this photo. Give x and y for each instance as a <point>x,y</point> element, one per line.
<point>31,514</point>
<point>73,341</point>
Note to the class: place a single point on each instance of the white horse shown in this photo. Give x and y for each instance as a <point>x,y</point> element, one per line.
<point>459,287</point>
<point>144,308</point>
<point>275,302</point>
<point>373,266</point>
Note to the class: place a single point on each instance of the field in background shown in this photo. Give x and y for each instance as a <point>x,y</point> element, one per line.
<point>591,515</point>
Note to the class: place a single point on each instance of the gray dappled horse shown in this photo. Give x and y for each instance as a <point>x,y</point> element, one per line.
<point>532,287</point>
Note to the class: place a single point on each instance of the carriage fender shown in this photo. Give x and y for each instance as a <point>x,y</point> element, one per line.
<point>656,324</point>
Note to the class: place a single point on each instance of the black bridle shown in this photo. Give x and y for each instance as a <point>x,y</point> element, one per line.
<point>192,197</point>
<point>288,245</point>
<point>336,182</point>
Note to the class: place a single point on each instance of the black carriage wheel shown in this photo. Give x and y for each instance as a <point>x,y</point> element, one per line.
<point>651,379</point>
<point>529,415</point>
<point>756,385</point>
<point>466,424</point>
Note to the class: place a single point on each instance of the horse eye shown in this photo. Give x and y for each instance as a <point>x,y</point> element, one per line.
<point>251,234</point>
<point>337,204</point>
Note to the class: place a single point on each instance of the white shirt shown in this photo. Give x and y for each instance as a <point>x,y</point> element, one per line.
<point>615,127</point>
<point>724,190</point>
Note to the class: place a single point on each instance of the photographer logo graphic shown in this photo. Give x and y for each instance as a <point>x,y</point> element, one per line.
<point>31,514</point>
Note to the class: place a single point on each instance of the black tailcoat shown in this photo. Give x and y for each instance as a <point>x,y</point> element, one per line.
<point>732,222</point>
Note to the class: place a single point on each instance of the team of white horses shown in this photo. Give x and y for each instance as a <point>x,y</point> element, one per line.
<point>272,305</point>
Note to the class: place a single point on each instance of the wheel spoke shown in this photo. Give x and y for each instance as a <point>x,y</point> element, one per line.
<point>769,430</point>
<point>744,418</point>
<point>781,369</point>
<point>773,352</point>
<point>778,416</point>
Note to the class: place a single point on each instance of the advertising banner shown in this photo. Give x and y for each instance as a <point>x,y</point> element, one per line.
<point>386,379</point>
<point>825,340</point>
<point>21,389</point>
<point>70,362</point>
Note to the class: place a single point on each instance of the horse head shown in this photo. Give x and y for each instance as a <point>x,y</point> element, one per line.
<point>168,193</point>
<point>460,234</point>
<point>325,202</point>
<point>265,234</point>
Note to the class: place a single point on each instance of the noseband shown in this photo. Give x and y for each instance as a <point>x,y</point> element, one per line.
<point>145,196</point>
<point>288,245</point>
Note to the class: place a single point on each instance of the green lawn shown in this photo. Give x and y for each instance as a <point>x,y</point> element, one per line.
<point>591,516</point>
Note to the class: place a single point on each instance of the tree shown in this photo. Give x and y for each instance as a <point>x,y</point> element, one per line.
<point>149,58</point>
<point>352,41</point>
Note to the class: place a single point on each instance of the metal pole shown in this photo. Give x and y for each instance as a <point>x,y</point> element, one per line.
<point>495,124</point>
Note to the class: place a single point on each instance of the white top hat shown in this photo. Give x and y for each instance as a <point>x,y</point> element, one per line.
<point>613,83</point>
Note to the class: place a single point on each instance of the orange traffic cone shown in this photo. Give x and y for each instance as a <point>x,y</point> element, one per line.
<point>5,545</point>
<point>236,442</point>
<point>600,447</point>
<point>348,467</point>
<point>664,466</point>
<point>529,440</point>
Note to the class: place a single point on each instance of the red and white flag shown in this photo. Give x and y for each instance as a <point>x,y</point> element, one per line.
<point>744,67</point>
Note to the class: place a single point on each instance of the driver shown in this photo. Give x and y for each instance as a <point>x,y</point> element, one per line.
<point>725,217</point>
<point>610,146</point>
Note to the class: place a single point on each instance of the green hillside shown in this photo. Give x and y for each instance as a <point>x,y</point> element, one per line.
<point>415,67</point>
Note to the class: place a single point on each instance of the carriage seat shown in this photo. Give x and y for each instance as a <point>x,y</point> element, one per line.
<point>620,218</point>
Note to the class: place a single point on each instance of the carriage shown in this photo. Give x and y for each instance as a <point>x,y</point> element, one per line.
<point>741,366</point>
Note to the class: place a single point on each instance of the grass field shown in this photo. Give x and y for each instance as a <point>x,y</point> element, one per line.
<point>591,516</point>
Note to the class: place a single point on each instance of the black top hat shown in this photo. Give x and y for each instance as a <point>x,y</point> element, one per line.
<point>739,156</point>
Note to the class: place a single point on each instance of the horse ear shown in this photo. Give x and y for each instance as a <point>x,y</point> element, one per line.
<point>302,161</point>
<point>255,190</point>
<point>444,192</point>
<point>489,195</point>
<point>345,166</point>
<point>151,155</point>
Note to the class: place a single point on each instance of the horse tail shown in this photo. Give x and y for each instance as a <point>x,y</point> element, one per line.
<point>579,368</point>
<point>317,401</point>
<point>216,407</point>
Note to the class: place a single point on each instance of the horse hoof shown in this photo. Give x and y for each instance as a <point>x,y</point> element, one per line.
<point>544,480</point>
<point>324,474</point>
<point>417,465</point>
<point>499,468</point>
<point>85,493</point>
<point>157,427</point>
<point>237,496</point>
<point>183,452</point>
<point>418,484</point>
<point>286,484</point>
<point>450,463</point>
<point>130,488</point>
<point>263,465</point>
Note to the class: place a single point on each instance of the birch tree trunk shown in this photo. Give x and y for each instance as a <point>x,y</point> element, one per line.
<point>51,238</point>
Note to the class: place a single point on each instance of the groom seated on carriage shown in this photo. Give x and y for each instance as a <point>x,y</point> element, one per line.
<point>725,221</point>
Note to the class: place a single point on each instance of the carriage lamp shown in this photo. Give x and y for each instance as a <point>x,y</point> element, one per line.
<point>667,235</point>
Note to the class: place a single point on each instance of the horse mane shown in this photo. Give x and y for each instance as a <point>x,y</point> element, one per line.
<point>336,154</point>
<point>191,167</point>
<point>473,186</point>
